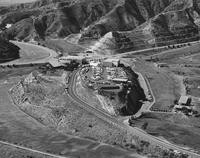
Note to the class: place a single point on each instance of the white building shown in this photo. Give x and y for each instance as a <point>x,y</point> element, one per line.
<point>184,100</point>
<point>120,80</point>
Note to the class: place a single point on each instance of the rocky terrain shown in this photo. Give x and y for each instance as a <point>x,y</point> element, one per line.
<point>131,24</point>
<point>8,51</point>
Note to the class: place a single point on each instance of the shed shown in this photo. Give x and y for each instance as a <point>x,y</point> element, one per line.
<point>184,100</point>
<point>110,62</point>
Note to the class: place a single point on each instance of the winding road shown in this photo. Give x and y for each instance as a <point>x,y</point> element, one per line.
<point>113,121</point>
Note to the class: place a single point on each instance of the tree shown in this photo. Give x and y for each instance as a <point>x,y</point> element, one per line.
<point>144,126</point>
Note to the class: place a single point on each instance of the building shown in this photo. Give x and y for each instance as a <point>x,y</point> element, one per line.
<point>111,62</point>
<point>160,65</point>
<point>184,100</point>
<point>110,88</point>
<point>120,80</point>
<point>94,64</point>
<point>70,59</point>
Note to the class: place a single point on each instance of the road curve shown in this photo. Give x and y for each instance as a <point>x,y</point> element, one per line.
<point>113,121</point>
<point>39,54</point>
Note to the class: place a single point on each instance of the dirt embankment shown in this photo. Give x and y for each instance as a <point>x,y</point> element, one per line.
<point>8,51</point>
<point>129,100</point>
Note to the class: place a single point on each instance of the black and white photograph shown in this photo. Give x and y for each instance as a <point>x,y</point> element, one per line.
<point>99,78</point>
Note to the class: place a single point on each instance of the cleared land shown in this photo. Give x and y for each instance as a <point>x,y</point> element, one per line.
<point>64,47</point>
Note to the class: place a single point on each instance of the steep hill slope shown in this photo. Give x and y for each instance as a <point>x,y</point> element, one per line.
<point>55,18</point>
<point>126,16</point>
<point>178,23</point>
<point>134,24</point>
<point>8,51</point>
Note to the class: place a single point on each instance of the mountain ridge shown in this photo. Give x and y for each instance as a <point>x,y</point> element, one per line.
<point>133,23</point>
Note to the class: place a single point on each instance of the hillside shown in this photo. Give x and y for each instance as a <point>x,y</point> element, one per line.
<point>131,24</point>
<point>53,18</point>
<point>8,51</point>
<point>178,23</point>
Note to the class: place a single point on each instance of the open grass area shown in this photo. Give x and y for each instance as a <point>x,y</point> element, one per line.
<point>64,47</point>
<point>163,84</point>
<point>7,151</point>
<point>29,52</point>
<point>169,56</point>
<point>176,128</point>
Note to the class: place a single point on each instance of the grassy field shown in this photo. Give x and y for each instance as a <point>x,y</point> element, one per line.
<point>64,47</point>
<point>168,55</point>
<point>31,52</point>
<point>176,128</point>
<point>163,84</point>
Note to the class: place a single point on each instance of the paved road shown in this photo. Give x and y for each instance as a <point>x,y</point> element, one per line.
<point>152,49</point>
<point>112,120</point>
<point>32,150</point>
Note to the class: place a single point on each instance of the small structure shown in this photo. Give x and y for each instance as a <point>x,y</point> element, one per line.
<point>94,64</point>
<point>55,63</point>
<point>120,80</point>
<point>184,100</point>
<point>110,88</point>
<point>8,26</point>
<point>70,59</point>
<point>160,65</point>
<point>111,62</point>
